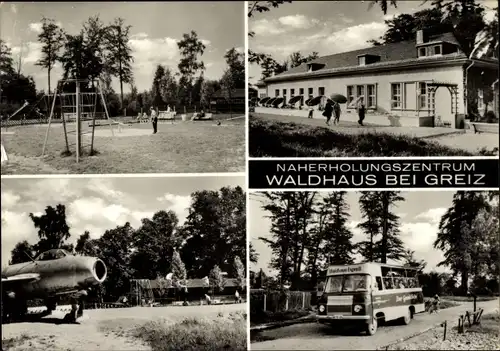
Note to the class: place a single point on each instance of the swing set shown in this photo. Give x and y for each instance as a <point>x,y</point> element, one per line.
<point>74,108</point>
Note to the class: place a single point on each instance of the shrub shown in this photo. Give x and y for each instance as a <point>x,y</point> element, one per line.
<point>224,332</point>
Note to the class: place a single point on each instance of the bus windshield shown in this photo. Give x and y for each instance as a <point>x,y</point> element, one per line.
<point>347,283</point>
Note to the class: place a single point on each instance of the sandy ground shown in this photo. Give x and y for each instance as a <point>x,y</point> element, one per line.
<point>100,329</point>
<point>314,336</point>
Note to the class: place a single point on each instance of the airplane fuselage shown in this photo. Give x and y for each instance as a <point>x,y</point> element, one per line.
<point>54,277</point>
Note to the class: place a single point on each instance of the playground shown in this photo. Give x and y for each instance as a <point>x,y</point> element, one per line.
<point>178,147</point>
<point>78,136</point>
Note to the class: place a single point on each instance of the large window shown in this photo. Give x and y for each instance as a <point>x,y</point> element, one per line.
<point>276,93</point>
<point>371,98</point>
<point>310,91</point>
<point>422,52</point>
<point>347,283</point>
<point>301,91</point>
<point>480,99</point>
<point>367,91</point>
<point>396,95</point>
<point>292,93</point>
<point>350,94</point>
<point>284,92</point>
<point>321,91</point>
<point>437,50</point>
<point>422,95</point>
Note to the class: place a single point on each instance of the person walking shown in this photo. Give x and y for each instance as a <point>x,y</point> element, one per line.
<point>328,112</point>
<point>337,111</point>
<point>154,119</point>
<point>360,108</point>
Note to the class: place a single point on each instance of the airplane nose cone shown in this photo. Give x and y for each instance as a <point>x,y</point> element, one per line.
<point>100,271</point>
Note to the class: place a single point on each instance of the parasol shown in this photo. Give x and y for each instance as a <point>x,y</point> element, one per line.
<point>339,98</point>
<point>295,99</point>
<point>270,102</point>
<point>264,100</point>
<point>277,101</point>
<point>317,100</point>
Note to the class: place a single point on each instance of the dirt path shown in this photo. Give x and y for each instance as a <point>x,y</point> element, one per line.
<point>109,329</point>
<point>315,336</point>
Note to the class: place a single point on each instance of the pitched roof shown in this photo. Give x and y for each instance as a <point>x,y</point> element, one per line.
<point>197,283</point>
<point>405,51</point>
<point>236,93</point>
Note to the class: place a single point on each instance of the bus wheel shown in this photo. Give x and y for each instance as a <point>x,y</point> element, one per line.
<point>407,317</point>
<point>371,327</point>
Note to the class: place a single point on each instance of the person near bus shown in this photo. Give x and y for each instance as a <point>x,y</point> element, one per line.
<point>435,304</point>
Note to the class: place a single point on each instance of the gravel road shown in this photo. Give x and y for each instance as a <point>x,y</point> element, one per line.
<point>314,336</point>
<point>100,329</point>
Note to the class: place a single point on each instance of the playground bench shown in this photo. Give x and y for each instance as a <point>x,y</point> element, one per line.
<point>484,127</point>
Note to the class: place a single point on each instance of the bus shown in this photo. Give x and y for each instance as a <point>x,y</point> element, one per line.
<point>369,293</point>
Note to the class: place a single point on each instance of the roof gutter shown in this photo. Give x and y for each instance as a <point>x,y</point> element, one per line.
<point>308,75</point>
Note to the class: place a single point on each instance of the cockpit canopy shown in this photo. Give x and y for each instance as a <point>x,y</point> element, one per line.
<point>53,254</point>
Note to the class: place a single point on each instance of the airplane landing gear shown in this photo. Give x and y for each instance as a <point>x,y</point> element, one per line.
<point>77,307</point>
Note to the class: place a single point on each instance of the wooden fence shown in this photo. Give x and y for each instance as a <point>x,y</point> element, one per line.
<point>276,301</point>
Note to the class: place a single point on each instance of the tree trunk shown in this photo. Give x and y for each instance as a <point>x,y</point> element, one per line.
<point>385,204</point>
<point>48,78</point>
<point>464,284</point>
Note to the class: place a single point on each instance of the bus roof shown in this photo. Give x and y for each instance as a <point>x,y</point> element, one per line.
<point>339,269</point>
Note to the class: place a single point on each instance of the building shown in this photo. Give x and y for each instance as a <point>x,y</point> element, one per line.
<point>261,89</point>
<point>423,82</point>
<point>223,102</point>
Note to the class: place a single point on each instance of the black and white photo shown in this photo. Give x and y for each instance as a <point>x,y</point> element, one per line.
<point>122,87</point>
<point>373,78</point>
<point>374,270</point>
<point>124,263</point>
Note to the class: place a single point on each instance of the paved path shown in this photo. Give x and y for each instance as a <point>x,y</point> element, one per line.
<point>314,336</point>
<point>354,128</point>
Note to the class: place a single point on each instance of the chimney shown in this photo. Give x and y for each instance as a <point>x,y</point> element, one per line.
<point>420,36</point>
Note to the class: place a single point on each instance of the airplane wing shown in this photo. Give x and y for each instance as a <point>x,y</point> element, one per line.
<point>21,278</point>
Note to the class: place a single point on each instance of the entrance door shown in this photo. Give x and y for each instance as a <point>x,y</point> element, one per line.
<point>444,114</point>
<point>410,97</point>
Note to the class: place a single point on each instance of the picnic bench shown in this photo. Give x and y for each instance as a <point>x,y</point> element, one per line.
<point>484,127</point>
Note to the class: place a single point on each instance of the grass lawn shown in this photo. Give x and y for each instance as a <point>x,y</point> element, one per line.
<point>281,139</point>
<point>484,336</point>
<point>225,332</point>
<point>190,147</point>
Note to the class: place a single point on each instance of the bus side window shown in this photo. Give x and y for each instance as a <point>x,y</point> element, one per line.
<point>379,283</point>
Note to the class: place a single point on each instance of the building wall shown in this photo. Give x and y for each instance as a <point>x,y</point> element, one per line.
<point>262,92</point>
<point>382,82</point>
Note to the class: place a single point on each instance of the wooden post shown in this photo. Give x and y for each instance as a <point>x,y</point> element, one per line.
<point>445,327</point>
<point>286,304</point>
<point>303,300</point>
<point>264,302</point>
<point>78,123</point>
<point>50,120</point>
<point>475,300</point>
<point>93,125</point>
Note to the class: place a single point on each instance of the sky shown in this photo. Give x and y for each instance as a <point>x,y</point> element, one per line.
<point>327,27</point>
<point>156,27</point>
<point>419,214</point>
<point>97,204</point>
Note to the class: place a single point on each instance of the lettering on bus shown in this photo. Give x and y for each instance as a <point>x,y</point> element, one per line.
<point>345,270</point>
<point>405,298</point>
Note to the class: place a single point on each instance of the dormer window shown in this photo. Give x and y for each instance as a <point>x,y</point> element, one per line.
<point>437,50</point>
<point>367,59</point>
<point>311,67</point>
